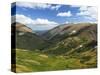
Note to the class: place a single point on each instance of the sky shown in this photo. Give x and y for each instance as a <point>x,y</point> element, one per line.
<point>43,16</point>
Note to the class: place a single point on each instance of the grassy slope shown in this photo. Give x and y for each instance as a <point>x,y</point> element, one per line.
<point>32,61</point>
<point>29,41</point>
<point>71,45</point>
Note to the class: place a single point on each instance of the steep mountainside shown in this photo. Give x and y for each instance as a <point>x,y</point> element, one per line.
<point>21,27</point>
<point>69,38</point>
<point>26,39</point>
<point>72,30</point>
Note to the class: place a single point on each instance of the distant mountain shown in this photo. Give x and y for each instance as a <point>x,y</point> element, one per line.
<point>40,32</point>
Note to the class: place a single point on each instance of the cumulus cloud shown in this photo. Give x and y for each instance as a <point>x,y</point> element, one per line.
<point>21,19</point>
<point>27,20</point>
<point>65,14</point>
<point>36,23</point>
<point>38,5</point>
<point>89,12</point>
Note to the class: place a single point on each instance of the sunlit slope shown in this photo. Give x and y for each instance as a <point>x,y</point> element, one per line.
<point>73,38</point>
<point>63,31</point>
<point>33,61</point>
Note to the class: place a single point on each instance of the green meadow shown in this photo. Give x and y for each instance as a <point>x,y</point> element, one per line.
<point>33,61</point>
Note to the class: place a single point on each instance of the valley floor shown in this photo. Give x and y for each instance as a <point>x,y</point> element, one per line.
<point>34,61</point>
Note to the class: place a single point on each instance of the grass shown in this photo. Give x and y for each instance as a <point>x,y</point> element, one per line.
<point>33,61</point>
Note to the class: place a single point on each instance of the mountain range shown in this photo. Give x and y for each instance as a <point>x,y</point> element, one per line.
<point>77,41</point>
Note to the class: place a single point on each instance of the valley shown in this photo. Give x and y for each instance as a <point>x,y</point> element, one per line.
<point>64,47</point>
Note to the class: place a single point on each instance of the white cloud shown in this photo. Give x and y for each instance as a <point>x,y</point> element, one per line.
<point>22,19</point>
<point>83,8</point>
<point>37,23</point>
<point>89,12</point>
<point>74,6</point>
<point>82,13</point>
<point>43,21</point>
<point>56,7</point>
<point>38,5</point>
<point>32,5</point>
<point>64,14</point>
<point>27,20</point>
<point>66,22</point>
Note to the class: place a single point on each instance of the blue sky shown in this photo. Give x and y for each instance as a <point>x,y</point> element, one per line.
<point>47,16</point>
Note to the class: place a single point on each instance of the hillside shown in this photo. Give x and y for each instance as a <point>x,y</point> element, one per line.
<point>26,39</point>
<point>73,40</point>
<point>21,27</point>
<point>71,30</point>
<point>64,47</point>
